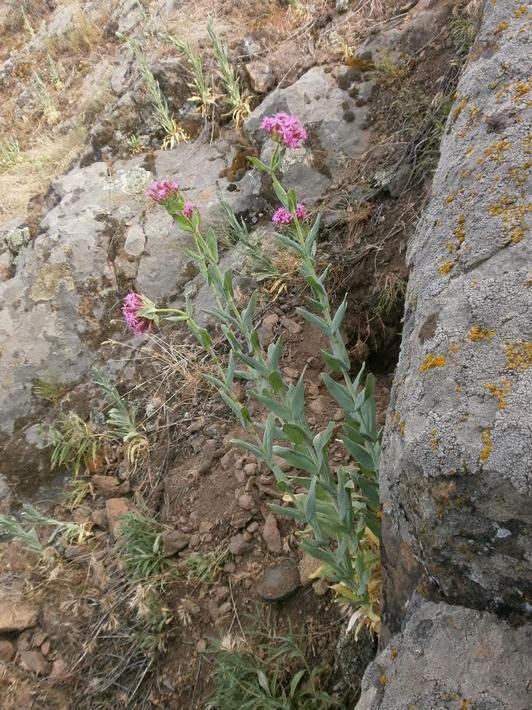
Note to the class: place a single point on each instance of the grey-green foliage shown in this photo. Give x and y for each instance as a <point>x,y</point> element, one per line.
<point>337,508</point>
<point>25,529</point>
<point>75,442</point>
<point>239,237</point>
<point>121,420</point>
<point>203,93</point>
<point>140,545</point>
<point>267,671</point>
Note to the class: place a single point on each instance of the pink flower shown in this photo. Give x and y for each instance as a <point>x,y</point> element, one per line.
<point>301,211</point>
<point>188,209</point>
<point>161,190</point>
<point>286,129</point>
<point>133,303</point>
<point>282,216</point>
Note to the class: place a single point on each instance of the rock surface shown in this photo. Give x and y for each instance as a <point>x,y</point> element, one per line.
<point>278,582</point>
<point>455,474</point>
<point>451,657</point>
<point>334,122</point>
<point>16,615</point>
<point>100,239</point>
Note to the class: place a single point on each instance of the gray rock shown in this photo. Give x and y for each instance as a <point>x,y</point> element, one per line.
<point>174,541</point>
<point>101,238</point>
<point>278,582</point>
<point>260,76</point>
<point>455,472</point>
<point>271,535</point>
<point>318,101</point>
<point>451,657</point>
<point>6,495</point>
<point>35,662</point>
<point>239,546</point>
<point>16,614</point>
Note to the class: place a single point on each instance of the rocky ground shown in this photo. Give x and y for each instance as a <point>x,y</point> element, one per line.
<point>374,83</point>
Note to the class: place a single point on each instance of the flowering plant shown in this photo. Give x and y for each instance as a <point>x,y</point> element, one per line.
<point>340,509</point>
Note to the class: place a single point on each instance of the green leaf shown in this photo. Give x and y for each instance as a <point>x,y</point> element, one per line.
<point>312,236</point>
<point>296,459</point>
<point>258,164</point>
<point>315,320</point>
<point>274,353</point>
<point>339,316</point>
<point>267,439</point>
<point>296,680</point>
<point>296,398</point>
<point>240,412</point>
<point>360,455</point>
<point>334,363</point>
<point>281,193</point>
<point>338,392</point>
<point>290,244</point>
<point>228,283</point>
<point>310,501</point>
<point>263,681</point>
<point>295,433</point>
<point>321,439</point>
<point>276,380</point>
<point>255,450</point>
<point>287,512</point>
<point>272,405</point>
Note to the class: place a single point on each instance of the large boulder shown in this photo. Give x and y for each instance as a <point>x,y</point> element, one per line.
<point>61,292</point>
<point>455,473</point>
<point>336,120</point>
<point>451,658</point>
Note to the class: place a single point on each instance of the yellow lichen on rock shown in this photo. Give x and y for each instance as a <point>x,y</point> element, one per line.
<point>499,391</point>
<point>487,445</point>
<point>518,355</point>
<point>445,267</point>
<point>476,334</point>
<point>432,361</point>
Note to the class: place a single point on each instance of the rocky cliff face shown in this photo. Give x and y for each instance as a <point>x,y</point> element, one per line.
<point>456,468</point>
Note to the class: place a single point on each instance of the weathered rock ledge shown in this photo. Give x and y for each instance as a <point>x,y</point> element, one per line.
<point>455,475</point>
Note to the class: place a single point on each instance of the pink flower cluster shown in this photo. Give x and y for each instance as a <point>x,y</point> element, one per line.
<point>188,209</point>
<point>161,190</point>
<point>286,129</point>
<point>282,216</point>
<point>137,324</point>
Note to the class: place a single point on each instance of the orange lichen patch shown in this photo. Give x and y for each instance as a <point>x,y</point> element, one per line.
<point>487,445</point>
<point>395,418</point>
<point>449,199</point>
<point>500,391</point>
<point>495,151</point>
<point>459,232</point>
<point>476,334</point>
<point>518,355</point>
<point>458,389</point>
<point>393,652</point>
<point>521,88</point>
<point>454,348</point>
<point>517,234</point>
<point>432,361</point>
<point>469,151</point>
<point>434,441</point>
<point>451,246</point>
<point>445,267</point>
<point>460,106</point>
<point>402,428</point>
<point>521,11</point>
<point>382,680</point>
<point>512,214</point>
<point>519,175</point>
<point>501,27</point>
